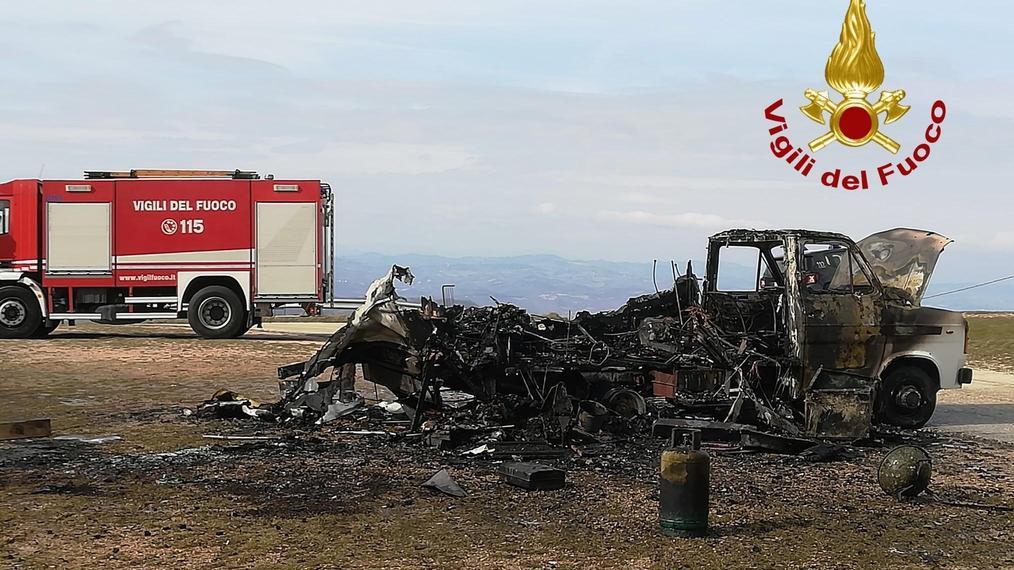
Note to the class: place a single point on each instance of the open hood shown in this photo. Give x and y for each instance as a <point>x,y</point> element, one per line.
<point>903,259</point>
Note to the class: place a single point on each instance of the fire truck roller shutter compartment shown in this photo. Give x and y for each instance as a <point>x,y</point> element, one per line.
<point>78,237</point>
<point>287,236</point>
<point>5,217</point>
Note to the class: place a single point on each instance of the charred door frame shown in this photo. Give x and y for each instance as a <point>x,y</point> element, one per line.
<point>763,242</point>
<point>838,330</point>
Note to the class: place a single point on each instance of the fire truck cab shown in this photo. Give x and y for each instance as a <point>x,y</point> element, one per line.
<point>219,248</point>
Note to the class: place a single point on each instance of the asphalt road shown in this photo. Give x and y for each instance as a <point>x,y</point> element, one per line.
<point>984,409</point>
<point>302,328</point>
<point>307,328</point>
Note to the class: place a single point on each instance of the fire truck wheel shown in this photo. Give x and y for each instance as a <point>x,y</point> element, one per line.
<point>44,330</point>
<point>907,397</point>
<point>216,312</point>
<point>20,316</point>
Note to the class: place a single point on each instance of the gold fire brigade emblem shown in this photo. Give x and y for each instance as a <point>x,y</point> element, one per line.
<point>855,70</point>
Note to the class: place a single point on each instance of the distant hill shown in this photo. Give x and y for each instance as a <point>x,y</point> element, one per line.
<point>549,283</point>
<point>995,297</point>
<point>540,283</point>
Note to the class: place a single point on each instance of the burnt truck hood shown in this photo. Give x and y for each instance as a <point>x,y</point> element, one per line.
<point>903,259</point>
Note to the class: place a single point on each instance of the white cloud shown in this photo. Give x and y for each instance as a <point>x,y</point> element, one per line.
<point>546,209</point>
<point>686,219</point>
<point>1002,240</point>
<point>382,158</point>
<point>638,198</point>
<point>659,188</point>
<point>996,241</point>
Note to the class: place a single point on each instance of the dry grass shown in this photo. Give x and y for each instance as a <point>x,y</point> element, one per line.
<point>991,341</point>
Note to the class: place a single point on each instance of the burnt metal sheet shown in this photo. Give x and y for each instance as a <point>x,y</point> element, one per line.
<point>839,413</point>
<point>774,443</point>
<point>443,482</point>
<point>532,476</point>
<point>710,431</point>
<point>904,259</point>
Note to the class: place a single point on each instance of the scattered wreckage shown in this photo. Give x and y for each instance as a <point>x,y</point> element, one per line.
<point>817,338</point>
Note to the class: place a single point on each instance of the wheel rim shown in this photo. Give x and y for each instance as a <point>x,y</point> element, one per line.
<point>12,313</point>
<point>908,400</point>
<point>214,313</point>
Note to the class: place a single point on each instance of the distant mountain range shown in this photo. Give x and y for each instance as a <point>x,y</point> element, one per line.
<point>549,283</point>
<point>995,297</point>
<point>539,283</point>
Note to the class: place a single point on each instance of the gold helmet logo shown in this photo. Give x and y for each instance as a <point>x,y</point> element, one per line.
<point>855,70</point>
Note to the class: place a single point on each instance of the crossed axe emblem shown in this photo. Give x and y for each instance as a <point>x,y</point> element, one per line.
<point>854,122</point>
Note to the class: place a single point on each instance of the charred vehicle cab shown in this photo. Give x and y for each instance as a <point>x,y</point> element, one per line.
<point>843,317</point>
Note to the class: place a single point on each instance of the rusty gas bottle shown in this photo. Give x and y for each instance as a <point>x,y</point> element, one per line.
<point>684,486</point>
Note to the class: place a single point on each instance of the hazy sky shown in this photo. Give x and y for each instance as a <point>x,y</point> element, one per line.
<point>591,129</point>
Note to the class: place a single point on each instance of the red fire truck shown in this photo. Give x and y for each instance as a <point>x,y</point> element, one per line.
<point>219,248</point>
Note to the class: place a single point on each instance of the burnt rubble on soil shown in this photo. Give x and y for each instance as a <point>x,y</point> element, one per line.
<point>498,380</point>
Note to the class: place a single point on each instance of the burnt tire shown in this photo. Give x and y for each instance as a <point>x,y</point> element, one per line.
<point>908,397</point>
<point>217,312</point>
<point>20,315</point>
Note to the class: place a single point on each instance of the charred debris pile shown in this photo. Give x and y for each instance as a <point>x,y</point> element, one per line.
<point>498,380</point>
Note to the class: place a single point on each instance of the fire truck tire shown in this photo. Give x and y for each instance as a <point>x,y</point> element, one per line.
<point>44,330</point>
<point>217,312</point>
<point>907,397</point>
<point>20,315</point>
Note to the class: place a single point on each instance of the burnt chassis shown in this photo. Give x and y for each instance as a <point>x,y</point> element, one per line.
<point>499,350</point>
<point>503,353</point>
<point>796,360</point>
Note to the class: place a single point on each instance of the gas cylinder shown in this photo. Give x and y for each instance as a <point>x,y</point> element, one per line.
<point>684,486</point>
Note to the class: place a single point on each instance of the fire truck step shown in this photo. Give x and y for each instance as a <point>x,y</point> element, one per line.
<point>149,300</point>
<point>75,316</point>
<point>119,316</point>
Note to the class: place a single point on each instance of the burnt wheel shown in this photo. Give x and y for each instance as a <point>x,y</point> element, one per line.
<point>217,312</point>
<point>20,315</point>
<point>907,397</point>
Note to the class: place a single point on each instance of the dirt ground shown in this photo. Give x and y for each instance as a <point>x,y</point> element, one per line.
<point>165,496</point>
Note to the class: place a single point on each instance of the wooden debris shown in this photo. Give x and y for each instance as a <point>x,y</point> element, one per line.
<point>26,429</point>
